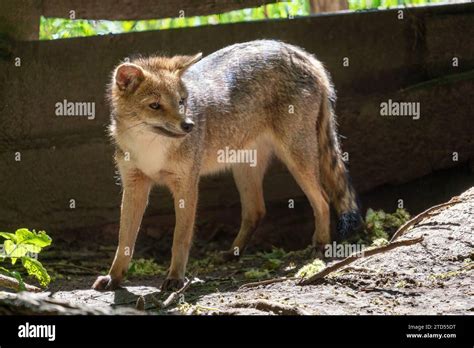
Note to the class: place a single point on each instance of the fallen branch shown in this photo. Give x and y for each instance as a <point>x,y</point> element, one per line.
<point>267,282</point>
<point>421,216</point>
<point>365,253</point>
<point>12,283</point>
<point>268,306</point>
<point>173,297</point>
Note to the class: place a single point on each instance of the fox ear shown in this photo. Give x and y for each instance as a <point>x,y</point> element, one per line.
<point>181,63</point>
<point>128,77</point>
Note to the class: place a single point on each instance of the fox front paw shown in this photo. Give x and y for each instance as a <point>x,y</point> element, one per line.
<point>172,284</point>
<point>105,283</point>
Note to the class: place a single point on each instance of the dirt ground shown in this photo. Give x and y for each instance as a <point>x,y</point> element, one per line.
<point>431,277</point>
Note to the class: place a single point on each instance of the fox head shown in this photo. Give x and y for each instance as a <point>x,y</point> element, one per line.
<point>149,92</point>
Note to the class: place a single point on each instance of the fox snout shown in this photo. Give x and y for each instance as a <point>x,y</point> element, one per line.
<point>187,125</point>
<point>179,125</point>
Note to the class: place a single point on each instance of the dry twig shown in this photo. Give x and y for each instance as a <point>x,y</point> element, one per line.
<point>365,253</point>
<point>173,297</point>
<point>421,216</point>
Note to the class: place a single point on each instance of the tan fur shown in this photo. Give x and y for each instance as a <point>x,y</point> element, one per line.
<point>300,140</point>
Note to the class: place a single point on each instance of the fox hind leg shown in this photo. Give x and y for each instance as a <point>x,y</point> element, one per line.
<point>249,182</point>
<point>302,162</point>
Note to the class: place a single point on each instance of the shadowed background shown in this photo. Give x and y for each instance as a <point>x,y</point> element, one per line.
<point>390,158</point>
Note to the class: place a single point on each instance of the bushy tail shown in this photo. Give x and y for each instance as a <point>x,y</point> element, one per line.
<point>334,175</point>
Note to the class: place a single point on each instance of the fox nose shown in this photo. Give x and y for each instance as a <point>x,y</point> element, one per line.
<point>187,126</point>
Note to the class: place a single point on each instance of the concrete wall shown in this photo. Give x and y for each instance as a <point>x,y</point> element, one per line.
<point>407,59</point>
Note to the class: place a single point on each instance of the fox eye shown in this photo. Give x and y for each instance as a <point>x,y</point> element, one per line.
<point>181,101</point>
<point>155,106</point>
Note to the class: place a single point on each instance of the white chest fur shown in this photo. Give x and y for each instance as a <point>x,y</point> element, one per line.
<point>147,150</point>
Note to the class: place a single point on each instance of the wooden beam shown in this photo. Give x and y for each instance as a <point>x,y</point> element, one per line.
<point>144,9</point>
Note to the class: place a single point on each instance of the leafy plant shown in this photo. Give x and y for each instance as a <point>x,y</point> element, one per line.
<point>382,225</point>
<point>310,269</point>
<point>25,245</point>
<point>145,267</point>
<point>273,259</point>
<point>379,227</point>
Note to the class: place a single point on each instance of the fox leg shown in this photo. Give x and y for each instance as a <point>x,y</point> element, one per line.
<point>185,193</point>
<point>249,180</point>
<point>302,162</point>
<point>136,188</point>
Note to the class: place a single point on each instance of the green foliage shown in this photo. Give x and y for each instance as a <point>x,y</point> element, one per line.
<point>379,227</point>
<point>145,267</point>
<point>255,273</point>
<point>58,28</point>
<point>273,259</point>
<point>310,269</point>
<point>379,242</point>
<point>382,225</point>
<point>36,269</point>
<point>23,245</point>
<point>272,264</point>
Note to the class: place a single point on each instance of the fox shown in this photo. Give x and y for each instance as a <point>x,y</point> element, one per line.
<point>170,117</point>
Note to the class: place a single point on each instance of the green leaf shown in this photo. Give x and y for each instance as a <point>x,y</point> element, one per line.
<point>40,239</point>
<point>21,283</point>
<point>8,235</point>
<point>36,269</point>
<point>19,250</point>
<point>13,250</point>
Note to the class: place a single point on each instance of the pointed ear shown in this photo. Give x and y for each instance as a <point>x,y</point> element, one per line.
<point>128,77</point>
<point>181,63</point>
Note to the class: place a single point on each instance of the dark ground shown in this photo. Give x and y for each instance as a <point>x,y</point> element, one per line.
<point>434,277</point>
